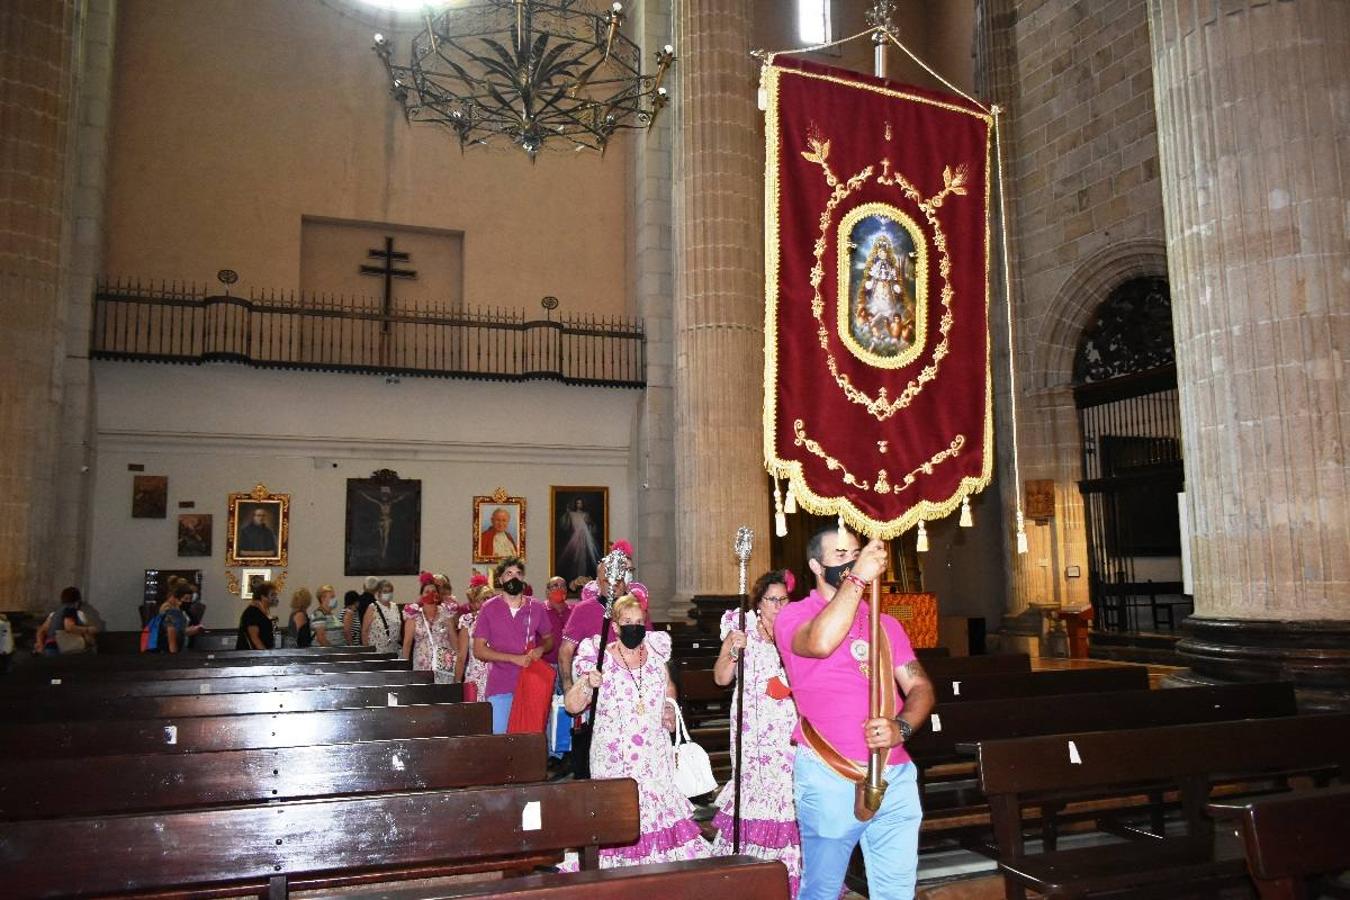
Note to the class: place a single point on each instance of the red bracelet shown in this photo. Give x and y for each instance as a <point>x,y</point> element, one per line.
<point>854,579</point>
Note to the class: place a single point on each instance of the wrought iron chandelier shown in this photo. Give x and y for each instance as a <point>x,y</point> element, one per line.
<point>531,71</point>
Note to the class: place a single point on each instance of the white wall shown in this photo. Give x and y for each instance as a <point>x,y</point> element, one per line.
<point>217,429</point>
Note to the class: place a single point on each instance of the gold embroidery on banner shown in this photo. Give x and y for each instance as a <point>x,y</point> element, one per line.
<point>881,484</point>
<point>882,407</point>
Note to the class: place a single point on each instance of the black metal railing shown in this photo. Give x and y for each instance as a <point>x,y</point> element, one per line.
<point>182,323</point>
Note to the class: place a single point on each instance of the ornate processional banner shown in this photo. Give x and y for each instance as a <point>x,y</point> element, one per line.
<point>877,382</point>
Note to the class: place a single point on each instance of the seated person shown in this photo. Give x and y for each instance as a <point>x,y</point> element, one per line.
<point>68,629</point>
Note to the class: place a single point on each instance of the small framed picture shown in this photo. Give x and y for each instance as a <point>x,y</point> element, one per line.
<point>150,496</point>
<point>194,534</point>
<point>259,529</point>
<point>251,578</point>
<point>498,527</point>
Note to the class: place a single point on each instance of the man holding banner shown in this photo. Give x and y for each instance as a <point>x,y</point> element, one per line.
<point>823,642</point>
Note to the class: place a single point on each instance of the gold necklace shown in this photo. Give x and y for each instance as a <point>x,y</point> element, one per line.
<point>636,679</point>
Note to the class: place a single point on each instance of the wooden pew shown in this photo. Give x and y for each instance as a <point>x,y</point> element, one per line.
<point>960,726</point>
<point>1023,772</point>
<point>108,785</point>
<point>201,734</point>
<point>279,847</point>
<point>704,879</point>
<point>76,706</point>
<point>1288,838</point>
<point>966,688</point>
<point>150,662</point>
<point>191,668</point>
<point>968,666</point>
<point>35,691</point>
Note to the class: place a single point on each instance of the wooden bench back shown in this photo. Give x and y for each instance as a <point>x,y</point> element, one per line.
<point>35,690</point>
<point>108,785</point>
<point>963,688</point>
<point>316,844</point>
<point>993,664</point>
<point>203,734</point>
<point>1089,759</point>
<point>703,879</point>
<point>191,668</point>
<point>976,720</point>
<point>75,705</point>
<point>188,659</point>
<point>1293,836</point>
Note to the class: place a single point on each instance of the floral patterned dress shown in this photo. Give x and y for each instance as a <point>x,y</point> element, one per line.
<point>386,628</point>
<point>768,813</point>
<point>433,647</point>
<point>475,670</point>
<point>630,742</point>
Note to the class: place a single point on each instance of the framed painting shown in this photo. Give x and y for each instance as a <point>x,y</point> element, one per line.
<point>498,527</point>
<point>384,525</point>
<point>259,529</point>
<point>250,579</point>
<point>578,530</point>
<point>150,497</point>
<point>194,534</point>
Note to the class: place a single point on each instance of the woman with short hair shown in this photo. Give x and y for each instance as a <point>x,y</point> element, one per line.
<point>430,636</point>
<point>326,623</point>
<point>382,625</point>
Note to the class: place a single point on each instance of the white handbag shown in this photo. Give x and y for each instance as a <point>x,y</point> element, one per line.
<point>693,771</point>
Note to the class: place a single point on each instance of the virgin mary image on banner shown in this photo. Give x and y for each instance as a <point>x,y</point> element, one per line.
<point>883,304</point>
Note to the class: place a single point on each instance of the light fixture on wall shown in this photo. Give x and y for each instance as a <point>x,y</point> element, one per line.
<point>534,72</point>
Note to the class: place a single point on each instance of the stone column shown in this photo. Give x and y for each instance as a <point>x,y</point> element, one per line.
<point>1255,140</point>
<point>720,482</point>
<point>653,279</point>
<point>37,90</point>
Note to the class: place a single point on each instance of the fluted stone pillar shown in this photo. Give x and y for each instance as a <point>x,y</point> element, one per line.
<point>1255,138</point>
<point>36,100</point>
<point>719,474</point>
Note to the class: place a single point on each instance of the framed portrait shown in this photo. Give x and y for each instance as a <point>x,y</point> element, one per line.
<point>194,534</point>
<point>259,529</point>
<point>384,525</point>
<point>498,527</point>
<point>150,497</point>
<point>250,579</point>
<point>578,530</point>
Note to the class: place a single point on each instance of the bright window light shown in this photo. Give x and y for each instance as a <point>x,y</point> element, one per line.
<point>813,21</point>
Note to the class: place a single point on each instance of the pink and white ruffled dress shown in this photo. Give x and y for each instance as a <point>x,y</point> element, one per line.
<point>768,812</point>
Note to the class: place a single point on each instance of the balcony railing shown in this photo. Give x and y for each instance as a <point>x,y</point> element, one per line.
<point>183,324</point>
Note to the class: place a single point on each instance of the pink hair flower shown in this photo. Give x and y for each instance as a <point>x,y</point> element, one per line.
<point>624,547</point>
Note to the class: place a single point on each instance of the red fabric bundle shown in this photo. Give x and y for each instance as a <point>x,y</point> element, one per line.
<point>533,699</point>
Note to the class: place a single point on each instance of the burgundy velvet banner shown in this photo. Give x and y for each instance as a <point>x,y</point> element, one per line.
<point>876,378</point>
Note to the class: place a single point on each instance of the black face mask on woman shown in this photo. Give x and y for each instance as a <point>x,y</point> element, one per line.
<point>513,586</point>
<point>631,635</point>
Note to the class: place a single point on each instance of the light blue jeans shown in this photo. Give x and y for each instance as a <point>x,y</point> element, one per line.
<point>890,840</point>
<point>501,711</point>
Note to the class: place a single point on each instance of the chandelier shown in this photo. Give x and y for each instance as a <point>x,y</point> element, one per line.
<point>529,71</point>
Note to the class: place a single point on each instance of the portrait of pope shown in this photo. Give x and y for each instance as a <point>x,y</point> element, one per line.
<point>499,530</point>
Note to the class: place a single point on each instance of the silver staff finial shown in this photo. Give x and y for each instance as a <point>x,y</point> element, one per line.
<point>745,540</point>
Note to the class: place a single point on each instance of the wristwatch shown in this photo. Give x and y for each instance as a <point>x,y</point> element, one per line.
<point>906,729</point>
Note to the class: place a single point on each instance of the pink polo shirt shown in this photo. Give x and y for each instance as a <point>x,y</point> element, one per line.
<point>508,632</point>
<point>832,692</point>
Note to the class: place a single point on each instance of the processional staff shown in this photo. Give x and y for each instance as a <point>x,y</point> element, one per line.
<point>745,539</point>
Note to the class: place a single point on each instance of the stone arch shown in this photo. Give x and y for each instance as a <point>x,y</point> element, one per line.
<point>1082,292</point>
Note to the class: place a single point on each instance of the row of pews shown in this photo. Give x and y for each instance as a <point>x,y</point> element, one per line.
<point>243,772</point>
<point>1169,792</point>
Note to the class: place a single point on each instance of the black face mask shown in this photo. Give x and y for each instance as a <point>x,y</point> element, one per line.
<point>631,635</point>
<point>513,586</point>
<point>834,575</point>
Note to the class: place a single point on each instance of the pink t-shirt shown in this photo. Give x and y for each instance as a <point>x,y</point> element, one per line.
<point>510,633</point>
<point>558,615</point>
<point>832,692</point>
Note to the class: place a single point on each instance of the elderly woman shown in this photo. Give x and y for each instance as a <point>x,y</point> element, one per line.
<point>298,627</point>
<point>326,623</point>
<point>382,625</point>
<point>468,668</point>
<point>430,636</point>
<point>768,813</point>
<point>631,740</point>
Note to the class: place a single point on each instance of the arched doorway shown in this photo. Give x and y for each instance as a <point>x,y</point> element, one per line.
<point>1125,391</point>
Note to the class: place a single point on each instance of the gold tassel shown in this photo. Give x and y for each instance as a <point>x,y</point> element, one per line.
<point>790,504</point>
<point>967,521</point>
<point>921,540</point>
<point>1021,533</point>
